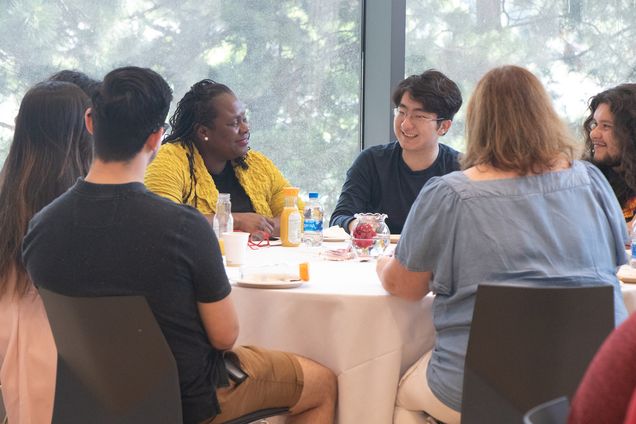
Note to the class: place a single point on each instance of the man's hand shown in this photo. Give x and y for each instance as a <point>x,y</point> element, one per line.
<point>253,222</point>
<point>352,224</point>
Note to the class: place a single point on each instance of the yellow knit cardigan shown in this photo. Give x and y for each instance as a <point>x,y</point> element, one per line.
<point>169,176</point>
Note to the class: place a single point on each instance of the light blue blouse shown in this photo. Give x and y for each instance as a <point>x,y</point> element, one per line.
<point>558,227</point>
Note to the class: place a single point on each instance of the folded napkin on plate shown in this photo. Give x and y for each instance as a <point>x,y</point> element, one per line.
<point>270,273</point>
<point>270,278</point>
<point>335,232</point>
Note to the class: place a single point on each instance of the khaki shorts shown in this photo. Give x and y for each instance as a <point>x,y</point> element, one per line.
<point>275,380</point>
<point>415,395</point>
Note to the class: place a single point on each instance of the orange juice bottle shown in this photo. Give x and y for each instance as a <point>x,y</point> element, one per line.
<point>290,219</point>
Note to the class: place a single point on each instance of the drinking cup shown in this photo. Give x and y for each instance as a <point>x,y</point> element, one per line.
<point>235,244</point>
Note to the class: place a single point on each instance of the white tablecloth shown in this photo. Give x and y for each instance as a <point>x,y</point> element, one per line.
<point>629,296</point>
<point>344,319</point>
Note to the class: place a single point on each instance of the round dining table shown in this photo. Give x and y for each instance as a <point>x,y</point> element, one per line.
<point>342,318</point>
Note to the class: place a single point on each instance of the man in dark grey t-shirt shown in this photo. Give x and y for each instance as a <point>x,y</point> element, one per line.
<point>109,236</point>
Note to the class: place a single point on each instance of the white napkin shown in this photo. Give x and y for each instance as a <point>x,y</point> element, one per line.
<point>335,232</point>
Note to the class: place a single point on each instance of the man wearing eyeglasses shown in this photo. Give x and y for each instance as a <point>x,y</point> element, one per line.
<point>388,178</point>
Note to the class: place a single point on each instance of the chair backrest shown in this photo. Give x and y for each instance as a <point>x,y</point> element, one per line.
<point>114,364</point>
<point>554,411</point>
<point>528,345</point>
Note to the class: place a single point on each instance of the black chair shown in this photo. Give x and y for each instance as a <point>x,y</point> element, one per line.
<point>114,365</point>
<point>554,411</point>
<point>528,345</point>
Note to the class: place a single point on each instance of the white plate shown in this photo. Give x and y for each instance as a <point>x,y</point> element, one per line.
<point>268,284</point>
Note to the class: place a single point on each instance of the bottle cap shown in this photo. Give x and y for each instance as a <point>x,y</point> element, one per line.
<point>291,191</point>
<point>313,195</point>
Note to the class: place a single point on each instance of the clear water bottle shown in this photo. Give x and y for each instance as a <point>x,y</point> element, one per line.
<point>313,215</point>
<point>223,221</point>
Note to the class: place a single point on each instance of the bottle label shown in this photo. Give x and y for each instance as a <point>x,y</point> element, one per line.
<point>293,230</point>
<point>313,225</point>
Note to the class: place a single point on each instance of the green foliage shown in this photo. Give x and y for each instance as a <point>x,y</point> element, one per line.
<point>296,64</point>
<point>576,52</point>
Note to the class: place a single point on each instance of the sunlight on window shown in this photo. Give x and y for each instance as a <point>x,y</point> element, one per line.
<point>576,51</point>
<point>296,65</point>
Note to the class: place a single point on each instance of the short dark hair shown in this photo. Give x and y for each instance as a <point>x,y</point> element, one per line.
<point>130,104</point>
<point>80,79</point>
<point>437,93</point>
<point>622,103</point>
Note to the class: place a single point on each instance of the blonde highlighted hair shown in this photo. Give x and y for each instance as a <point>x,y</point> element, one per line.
<point>512,126</point>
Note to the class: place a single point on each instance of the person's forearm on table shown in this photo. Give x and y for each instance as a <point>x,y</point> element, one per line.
<point>399,281</point>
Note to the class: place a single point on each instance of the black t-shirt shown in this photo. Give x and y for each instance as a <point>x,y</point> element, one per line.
<point>626,196</point>
<point>380,181</point>
<point>112,240</point>
<point>226,182</point>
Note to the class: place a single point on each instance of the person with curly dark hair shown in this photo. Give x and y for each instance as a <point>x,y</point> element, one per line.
<point>610,141</point>
<point>207,152</point>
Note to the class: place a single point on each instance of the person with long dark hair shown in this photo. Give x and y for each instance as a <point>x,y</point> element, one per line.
<point>51,148</point>
<point>610,141</point>
<point>207,152</point>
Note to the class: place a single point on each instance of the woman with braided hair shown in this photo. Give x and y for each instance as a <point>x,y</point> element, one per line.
<point>207,152</point>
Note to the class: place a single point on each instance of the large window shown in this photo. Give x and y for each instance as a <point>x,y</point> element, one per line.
<point>576,47</point>
<point>296,64</point>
